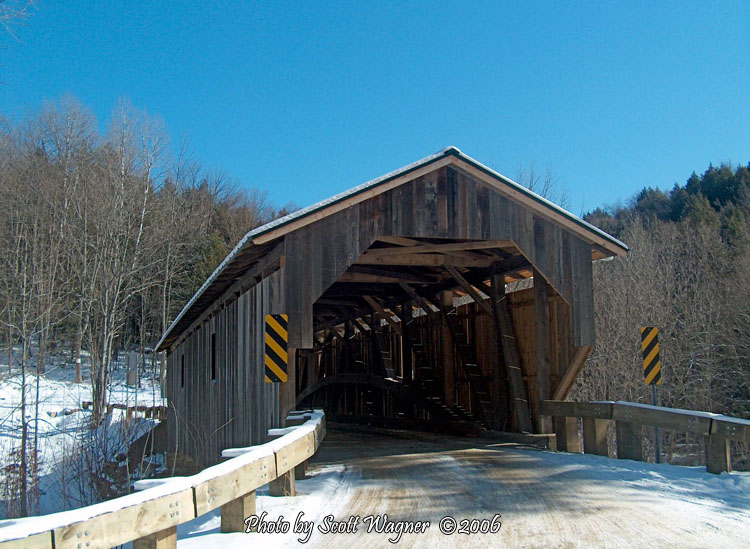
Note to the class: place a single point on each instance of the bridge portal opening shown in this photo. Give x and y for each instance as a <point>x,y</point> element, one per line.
<point>436,334</point>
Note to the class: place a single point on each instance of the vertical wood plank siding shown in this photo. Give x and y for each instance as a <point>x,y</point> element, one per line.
<point>448,204</point>
<point>238,407</point>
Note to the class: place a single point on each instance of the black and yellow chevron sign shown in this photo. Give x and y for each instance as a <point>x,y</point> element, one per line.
<point>276,357</point>
<point>651,362</point>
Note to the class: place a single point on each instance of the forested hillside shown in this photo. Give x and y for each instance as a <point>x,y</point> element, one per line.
<point>105,236</point>
<point>688,272</point>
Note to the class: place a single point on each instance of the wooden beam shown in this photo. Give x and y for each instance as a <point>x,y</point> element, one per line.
<point>354,289</point>
<point>400,240</point>
<point>590,410</point>
<point>337,302</point>
<point>448,351</point>
<point>439,248</point>
<point>512,358</point>
<point>387,273</point>
<point>234,513</point>
<point>361,326</point>
<point>334,331</point>
<point>284,485</point>
<point>718,456</point>
<point>595,436</point>
<point>422,302</point>
<point>543,371</point>
<point>424,260</point>
<point>165,539</point>
<point>506,267</point>
<point>683,421</point>
<point>566,429</point>
<point>381,312</point>
<point>569,378</point>
<point>469,289</point>
<point>629,440</point>
<point>357,278</point>
<point>500,375</point>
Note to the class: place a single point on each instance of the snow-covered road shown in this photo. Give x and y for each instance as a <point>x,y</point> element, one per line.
<point>545,499</point>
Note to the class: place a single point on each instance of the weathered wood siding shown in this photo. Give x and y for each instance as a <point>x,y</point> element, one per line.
<point>237,407</point>
<point>442,204</point>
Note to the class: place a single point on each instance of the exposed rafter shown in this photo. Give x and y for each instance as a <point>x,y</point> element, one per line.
<point>438,248</point>
<point>469,289</point>
<point>423,260</point>
<point>382,313</point>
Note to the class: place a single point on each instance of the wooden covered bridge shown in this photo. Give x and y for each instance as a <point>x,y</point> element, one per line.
<point>407,305</point>
<point>401,309</point>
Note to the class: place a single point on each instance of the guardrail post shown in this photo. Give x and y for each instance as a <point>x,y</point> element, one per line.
<point>300,471</point>
<point>566,429</point>
<point>629,444</point>
<point>165,539</point>
<point>718,458</point>
<point>234,513</point>
<point>595,436</point>
<point>284,485</point>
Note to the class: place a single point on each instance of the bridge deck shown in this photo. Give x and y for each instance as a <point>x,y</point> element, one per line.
<point>545,499</point>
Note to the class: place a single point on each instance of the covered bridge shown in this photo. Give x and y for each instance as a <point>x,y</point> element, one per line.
<point>401,310</point>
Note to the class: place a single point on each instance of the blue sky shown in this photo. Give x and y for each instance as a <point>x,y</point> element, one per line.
<point>308,99</point>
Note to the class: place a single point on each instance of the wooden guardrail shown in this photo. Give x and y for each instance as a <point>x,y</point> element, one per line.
<point>150,517</point>
<point>630,417</point>
<point>156,412</point>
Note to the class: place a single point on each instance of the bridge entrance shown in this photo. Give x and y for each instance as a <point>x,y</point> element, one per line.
<point>437,334</point>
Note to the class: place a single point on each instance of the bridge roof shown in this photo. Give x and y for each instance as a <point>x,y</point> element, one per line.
<point>259,241</point>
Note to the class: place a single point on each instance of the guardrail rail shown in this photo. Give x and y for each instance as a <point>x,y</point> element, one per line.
<point>630,417</point>
<point>150,517</point>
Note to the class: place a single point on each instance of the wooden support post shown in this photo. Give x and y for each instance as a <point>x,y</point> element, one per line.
<point>300,471</point>
<point>629,440</point>
<point>500,381</point>
<point>234,513</point>
<point>595,436</point>
<point>165,539</point>
<point>448,353</point>
<point>543,372</point>
<point>718,458</point>
<point>407,359</point>
<point>566,431</point>
<point>511,356</point>
<point>283,486</point>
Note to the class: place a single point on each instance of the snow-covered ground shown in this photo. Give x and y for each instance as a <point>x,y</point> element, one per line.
<point>327,491</point>
<point>546,499</point>
<point>63,428</point>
